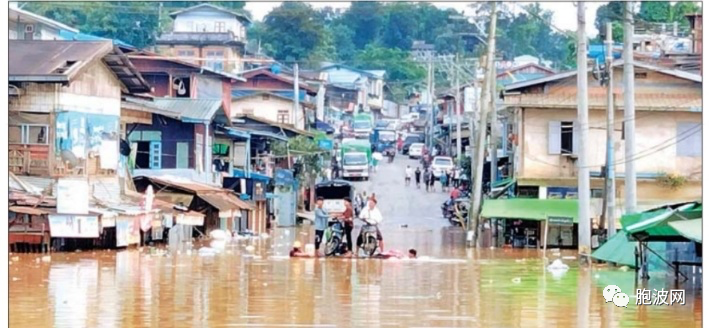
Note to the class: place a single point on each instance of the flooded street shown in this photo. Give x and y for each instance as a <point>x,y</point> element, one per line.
<point>449,286</point>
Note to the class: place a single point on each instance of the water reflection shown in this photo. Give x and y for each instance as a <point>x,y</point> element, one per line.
<point>454,287</point>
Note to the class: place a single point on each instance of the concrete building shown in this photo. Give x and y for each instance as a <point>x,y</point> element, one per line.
<point>207,35</point>
<point>668,133</point>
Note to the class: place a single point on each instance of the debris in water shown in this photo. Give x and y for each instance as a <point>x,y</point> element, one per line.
<point>15,279</point>
<point>624,268</point>
<point>516,280</point>
<point>558,266</point>
<point>46,258</point>
<point>404,226</point>
<point>438,295</point>
<point>520,260</point>
<point>250,248</point>
<point>265,284</point>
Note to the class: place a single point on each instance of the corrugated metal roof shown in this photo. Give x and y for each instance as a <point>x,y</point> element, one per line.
<point>202,110</point>
<point>43,58</point>
<point>224,201</point>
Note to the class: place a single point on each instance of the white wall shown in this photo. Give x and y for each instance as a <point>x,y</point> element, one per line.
<point>193,21</point>
<point>267,109</point>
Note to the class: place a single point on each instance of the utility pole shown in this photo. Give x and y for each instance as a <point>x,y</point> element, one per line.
<point>296,96</point>
<point>429,90</point>
<point>458,118</point>
<point>584,238</point>
<point>482,130</point>
<point>610,168</point>
<point>629,110</point>
<point>493,125</point>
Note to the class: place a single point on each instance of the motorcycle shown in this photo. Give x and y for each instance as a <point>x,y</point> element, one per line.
<point>370,244</point>
<point>334,238</point>
<point>459,213</point>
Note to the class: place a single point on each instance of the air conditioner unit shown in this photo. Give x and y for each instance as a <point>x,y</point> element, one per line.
<point>29,28</point>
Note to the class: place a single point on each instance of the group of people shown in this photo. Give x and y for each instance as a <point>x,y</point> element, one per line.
<point>446,179</point>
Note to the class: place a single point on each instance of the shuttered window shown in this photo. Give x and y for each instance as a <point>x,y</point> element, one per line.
<point>689,139</point>
<point>155,154</point>
<point>562,138</point>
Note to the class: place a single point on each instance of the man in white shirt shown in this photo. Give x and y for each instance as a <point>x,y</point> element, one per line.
<point>409,173</point>
<point>372,216</point>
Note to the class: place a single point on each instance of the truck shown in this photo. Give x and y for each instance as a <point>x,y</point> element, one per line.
<point>356,156</point>
<point>362,125</point>
<point>383,139</point>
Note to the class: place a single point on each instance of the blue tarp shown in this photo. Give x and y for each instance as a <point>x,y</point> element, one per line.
<point>238,173</point>
<point>68,35</point>
<point>598,52</point>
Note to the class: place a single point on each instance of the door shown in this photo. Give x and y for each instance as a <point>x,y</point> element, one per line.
<point>182,154</point>
<point>285,206</point>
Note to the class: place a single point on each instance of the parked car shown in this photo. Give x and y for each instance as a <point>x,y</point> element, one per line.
<point>441,164</point>
<point>409,140</point>
<point>416,150</point>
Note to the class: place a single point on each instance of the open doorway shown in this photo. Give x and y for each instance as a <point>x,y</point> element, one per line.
<point>142,156</point>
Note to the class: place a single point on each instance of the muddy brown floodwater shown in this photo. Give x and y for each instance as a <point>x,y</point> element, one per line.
<point>452,287</point>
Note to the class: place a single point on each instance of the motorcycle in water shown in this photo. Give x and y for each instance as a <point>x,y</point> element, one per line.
<point>370,244</point>
<point>334,238</point>
<point>459,213</point>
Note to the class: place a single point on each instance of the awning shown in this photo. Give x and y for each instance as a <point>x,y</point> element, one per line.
<point>653,225</point>
<point>530,209</point>
<point>225,202</point>
<point>239,173</point>
<point>618,249</point>
<point>690,229</point>
<point>28,210</point>
<point>237,133</point>
<point>500,187</point>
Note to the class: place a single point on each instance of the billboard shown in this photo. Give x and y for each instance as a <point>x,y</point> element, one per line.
<point>73,196</point>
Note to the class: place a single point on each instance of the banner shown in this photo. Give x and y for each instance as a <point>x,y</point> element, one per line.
<point>74,226</point>
<point>127,231</point>
<point>73,196</point>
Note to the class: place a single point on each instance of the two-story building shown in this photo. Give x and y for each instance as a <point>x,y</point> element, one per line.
<point>367,84</point>
<point>207,35</point>
<point>668,122</point>
<point>268,94</point>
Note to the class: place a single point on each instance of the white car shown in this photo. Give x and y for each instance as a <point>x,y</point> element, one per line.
<point>441,164</point>
<point>416,150</point>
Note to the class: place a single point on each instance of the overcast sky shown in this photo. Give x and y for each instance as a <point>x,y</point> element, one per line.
<point>564,12</point>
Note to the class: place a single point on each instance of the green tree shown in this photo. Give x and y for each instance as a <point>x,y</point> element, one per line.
<point>364,19</point>
<point>293,31</point>
<point>655,11</point>
<point>310,158</point>
<point>402,71</point>
<point>682,8</point>
<point>400,26</point>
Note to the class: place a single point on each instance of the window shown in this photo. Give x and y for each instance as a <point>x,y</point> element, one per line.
<point>689,139</point>
<point>596,193</point>
<point>215,60</point>
<point>28,134</point>
<point>248,111</point>
<point>219,27</point>
<point>283,116</point>
<point>563,138</point>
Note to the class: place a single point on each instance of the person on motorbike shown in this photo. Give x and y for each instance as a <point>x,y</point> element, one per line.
<point>371,216</point>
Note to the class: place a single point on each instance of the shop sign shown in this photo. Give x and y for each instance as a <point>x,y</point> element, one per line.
<point>74,226</point>
<point>127,231</point>
<point>560,221</point>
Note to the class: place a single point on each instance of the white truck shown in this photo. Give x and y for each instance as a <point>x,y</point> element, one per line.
<point>355,165</point>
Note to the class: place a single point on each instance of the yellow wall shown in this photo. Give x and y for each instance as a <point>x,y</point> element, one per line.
<point>266,109</point>
<point>653,129</point>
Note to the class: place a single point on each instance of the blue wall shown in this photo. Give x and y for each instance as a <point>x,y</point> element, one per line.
<point>173,131</point>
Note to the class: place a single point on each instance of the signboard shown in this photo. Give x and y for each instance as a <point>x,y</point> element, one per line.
<point>470,99</point>
<point>127,231</point>
<point>334,205</point>
<point>74,226</point>
<point>191,220</point>
<point>284,177</point>
<point>258,191</point>
<point>73,196</point>
<point>560,221</point>
<point>325,144</point>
